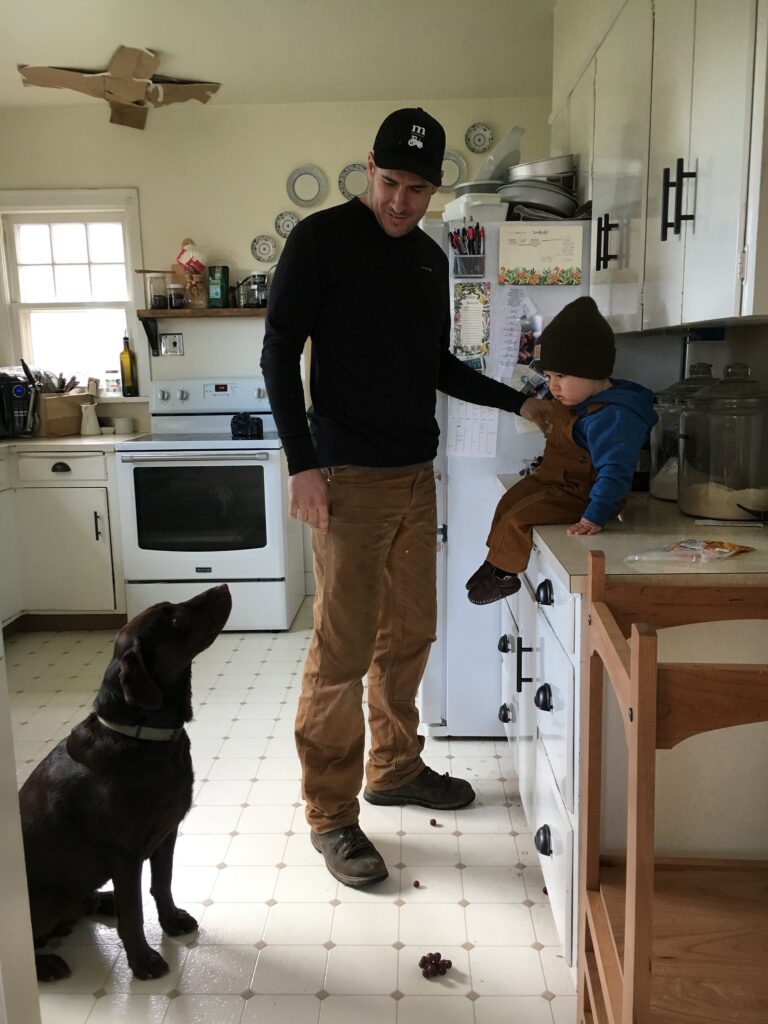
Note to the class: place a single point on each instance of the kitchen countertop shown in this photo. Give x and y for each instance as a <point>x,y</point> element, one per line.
<point>648,523</point>
<point>102,442</point>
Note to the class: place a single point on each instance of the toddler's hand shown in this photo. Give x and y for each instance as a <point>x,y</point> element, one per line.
<point>584,528</point>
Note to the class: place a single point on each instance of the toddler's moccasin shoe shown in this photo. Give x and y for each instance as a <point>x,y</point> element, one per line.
<point>494,588</point>
<point>479,574</point>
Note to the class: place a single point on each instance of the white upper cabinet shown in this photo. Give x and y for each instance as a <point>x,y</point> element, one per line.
<point>754,296</point>
<point>703,65</point>
<point>620,165</point>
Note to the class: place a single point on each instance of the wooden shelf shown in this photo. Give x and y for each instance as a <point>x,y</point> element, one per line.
<point>194,314</point>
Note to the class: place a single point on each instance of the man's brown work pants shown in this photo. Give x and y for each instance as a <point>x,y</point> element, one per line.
<point>374,613</point>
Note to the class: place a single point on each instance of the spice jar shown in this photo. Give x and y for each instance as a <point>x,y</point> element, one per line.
<point>724,448</point>
<point>175,296</point>
<point>665,436</point>
<point>158,294</point>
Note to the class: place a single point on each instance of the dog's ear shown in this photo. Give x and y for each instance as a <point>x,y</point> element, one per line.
<point>135,680</point>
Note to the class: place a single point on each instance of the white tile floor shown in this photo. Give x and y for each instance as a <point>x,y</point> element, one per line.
<point>280,940</point>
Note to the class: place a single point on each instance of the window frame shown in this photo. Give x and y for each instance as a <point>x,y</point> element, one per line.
<point>46,205</point>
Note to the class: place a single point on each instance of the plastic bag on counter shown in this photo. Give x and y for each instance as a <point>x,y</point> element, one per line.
<point>691,551</point>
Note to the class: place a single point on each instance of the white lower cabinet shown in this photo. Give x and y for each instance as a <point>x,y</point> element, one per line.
<point>65,536</point>
<point>10,568</point>
<point>553,836</point>
<point>540,650</point>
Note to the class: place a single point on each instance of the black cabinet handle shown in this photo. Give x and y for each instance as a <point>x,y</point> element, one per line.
<point>545,593</point>
<point>543,841</point>
<point>519,665</point>
<point>96,530</point>
<point>608,226</point>
<point>599,245</point>
<point>504,714</point>
<point>61,467</point>
<point>543,698</point>
<point>680,176</point>
<point>504,643</point>
<point>604,228</point>
<point>666,185</point>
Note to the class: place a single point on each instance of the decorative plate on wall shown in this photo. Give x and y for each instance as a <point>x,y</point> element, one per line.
<point>306,185</point>
<point>264,248</point>
<point>285,222</point>
<point>454,171</point>
<point>479,137</point>
<point>353,181</point>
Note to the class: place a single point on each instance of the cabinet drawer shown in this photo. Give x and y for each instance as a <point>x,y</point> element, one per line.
<point>553,837</point>
<point>61,467</point>
<point>558,604</point>
<point>554,699</point>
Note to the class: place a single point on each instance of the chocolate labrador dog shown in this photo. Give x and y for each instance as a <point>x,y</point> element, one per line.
<point>112,794</point>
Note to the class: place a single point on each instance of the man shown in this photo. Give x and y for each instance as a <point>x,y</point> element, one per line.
<point>371,289</point>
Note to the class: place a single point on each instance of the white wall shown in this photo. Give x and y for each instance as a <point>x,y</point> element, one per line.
<point>218,174</point>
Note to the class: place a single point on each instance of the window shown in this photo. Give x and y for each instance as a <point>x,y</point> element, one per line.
<point>69,283</point>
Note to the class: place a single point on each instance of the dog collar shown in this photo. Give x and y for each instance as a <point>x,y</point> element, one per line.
<point>142,732</point>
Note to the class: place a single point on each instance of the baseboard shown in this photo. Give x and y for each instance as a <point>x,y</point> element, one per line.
<point>32,623</point>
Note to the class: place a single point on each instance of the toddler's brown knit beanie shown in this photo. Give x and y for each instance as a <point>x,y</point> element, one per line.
<point>579,342</point>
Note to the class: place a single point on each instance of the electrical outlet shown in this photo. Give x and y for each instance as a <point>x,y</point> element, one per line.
<point>171,344</point>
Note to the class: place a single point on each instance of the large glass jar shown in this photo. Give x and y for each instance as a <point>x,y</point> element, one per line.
<point>724,448</point>
<point>665,435</point>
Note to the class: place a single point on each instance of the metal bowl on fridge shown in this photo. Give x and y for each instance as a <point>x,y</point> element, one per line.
<point>539,193</point>
<point>466,188</point>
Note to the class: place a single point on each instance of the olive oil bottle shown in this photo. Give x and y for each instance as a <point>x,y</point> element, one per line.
<point>128,375</point>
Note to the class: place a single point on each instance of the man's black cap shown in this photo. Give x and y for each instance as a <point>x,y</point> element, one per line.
<point>410,139</point>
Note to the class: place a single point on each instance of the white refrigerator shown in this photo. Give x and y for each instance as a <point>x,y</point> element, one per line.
<point>460,693</point>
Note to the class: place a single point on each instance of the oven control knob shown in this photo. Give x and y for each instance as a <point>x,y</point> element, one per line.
<point>182,395</point>
<point>163,395</point>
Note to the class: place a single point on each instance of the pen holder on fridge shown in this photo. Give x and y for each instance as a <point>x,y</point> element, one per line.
<point>469,265</point>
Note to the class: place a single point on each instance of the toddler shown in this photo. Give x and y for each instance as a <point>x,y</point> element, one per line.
<point>594,430</point>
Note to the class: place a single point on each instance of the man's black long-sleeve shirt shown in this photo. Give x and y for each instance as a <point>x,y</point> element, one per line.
<point>377,311</point>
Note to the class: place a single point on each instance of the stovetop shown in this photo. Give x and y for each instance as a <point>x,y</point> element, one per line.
<point>199,442</point>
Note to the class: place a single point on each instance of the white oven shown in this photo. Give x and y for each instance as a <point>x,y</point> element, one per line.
<point>199,507</point>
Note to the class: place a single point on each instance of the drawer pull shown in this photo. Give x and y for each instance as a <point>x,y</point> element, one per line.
<point>519,665</point>
<point>543,841</point>
<point>505,643</point>
<point>543,698</point>
<point>61,467</point>
<point>504,714</point>
<point>545,593</point>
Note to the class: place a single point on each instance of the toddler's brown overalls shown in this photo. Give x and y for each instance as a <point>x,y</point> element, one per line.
<point>557,492</point>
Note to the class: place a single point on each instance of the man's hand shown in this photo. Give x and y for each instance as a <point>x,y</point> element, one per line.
<point>308,498</point>
<point>584,528</point>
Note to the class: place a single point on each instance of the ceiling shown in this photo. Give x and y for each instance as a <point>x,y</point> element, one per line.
<point>291,51</point>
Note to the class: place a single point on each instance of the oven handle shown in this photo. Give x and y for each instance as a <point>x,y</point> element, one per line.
<point>197,456</point>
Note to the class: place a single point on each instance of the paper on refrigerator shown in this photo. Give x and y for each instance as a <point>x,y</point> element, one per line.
<point>472,429</point>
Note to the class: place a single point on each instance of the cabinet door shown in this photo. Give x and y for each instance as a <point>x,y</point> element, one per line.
<point>65,543</point>
<point>670,127</point>
<point>723,67</point>
<point>620,162</point>
<point>10,577</point>
<point>525,709</point>
<point>581,130</point>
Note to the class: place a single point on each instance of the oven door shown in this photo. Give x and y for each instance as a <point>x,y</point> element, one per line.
<point>202,515</point>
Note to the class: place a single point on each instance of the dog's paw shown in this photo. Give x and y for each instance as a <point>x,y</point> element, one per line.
<point>50,967</point>
<point>178,923</point>
<point>149,965</point>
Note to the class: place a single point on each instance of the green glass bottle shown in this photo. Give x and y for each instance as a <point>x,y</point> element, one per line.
<point>128,374</point>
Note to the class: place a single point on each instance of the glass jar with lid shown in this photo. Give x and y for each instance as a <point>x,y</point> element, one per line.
<point>665,435</point>
<point>724,448</point>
